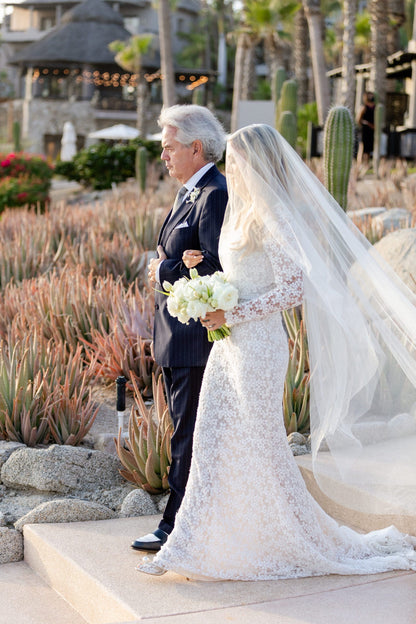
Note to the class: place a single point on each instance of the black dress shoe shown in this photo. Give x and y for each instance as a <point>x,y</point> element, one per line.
<point>152,546</point>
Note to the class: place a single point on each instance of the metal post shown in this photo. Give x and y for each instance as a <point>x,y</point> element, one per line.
<point>121,401</point>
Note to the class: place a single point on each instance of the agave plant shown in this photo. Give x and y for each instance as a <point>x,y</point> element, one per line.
<point>146,455</point>
<point>296,391</point>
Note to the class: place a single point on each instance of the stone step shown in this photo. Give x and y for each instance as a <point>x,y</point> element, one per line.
<point>26,599</point>
<point>91,565</point>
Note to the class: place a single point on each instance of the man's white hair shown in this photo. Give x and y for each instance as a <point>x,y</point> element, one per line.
<point>196,123</point>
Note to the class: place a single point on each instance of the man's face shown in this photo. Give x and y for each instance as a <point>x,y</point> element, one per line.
<point>179,159</point>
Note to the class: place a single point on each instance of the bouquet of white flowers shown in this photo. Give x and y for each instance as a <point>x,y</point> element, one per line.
<point>193,298</point>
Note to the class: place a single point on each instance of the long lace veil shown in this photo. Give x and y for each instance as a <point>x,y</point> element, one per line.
<point>360,320</point>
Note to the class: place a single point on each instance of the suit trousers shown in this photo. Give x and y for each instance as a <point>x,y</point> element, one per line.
<point>182,385</point>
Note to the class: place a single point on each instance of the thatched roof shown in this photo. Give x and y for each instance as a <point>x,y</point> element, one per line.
<point>82,37</point>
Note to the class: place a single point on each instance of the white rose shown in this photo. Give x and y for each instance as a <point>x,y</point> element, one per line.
<point>196,308</point>
<point>227,297</point>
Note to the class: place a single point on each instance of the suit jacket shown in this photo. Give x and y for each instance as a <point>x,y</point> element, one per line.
<point>195,225</point>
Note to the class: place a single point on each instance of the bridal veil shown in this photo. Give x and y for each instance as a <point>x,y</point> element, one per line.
<point>360,320</point>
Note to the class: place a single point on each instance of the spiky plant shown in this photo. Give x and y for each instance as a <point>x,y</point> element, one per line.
<point>24,406</point>
<point>44,392</point>
<point>338,152</point>
<point>296,391</point>
<point>288,128</point>
<point>146,455</point>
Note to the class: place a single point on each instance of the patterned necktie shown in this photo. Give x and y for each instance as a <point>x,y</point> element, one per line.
<point>179,197</point>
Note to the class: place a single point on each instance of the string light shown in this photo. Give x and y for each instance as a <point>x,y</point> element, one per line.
<point>202,80</point>
<point>108,79</point>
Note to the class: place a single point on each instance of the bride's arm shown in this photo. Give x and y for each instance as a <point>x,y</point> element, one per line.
<point>288,292</point>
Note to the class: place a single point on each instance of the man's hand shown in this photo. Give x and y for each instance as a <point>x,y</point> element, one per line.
<point>153,264</point>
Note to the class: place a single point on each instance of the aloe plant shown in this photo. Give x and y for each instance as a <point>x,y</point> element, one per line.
<point>44,392</point>
<point>146,455</point>
<point>296,391</point>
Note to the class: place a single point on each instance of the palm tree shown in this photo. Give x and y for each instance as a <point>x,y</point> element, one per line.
<point>129,55</point>
<point>379,30</point>
<point>348,56</point>
<point>266,18</point>
<point>397,15</point>
<point>301,55</point>
<point>314,18</point>
<point>166,53</point>
<point>244,72</point>
<point>363,37</point>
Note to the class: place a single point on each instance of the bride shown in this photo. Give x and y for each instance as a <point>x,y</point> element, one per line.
<point>246,513</point>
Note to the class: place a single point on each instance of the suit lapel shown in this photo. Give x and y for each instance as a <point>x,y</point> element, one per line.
<point>172,221</point>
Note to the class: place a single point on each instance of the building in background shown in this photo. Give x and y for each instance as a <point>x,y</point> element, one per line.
<point>59,67</point>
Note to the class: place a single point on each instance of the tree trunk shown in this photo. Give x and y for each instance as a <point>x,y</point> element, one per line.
<point>141,104</point>
<point>166,54</point>
<point>348,56</point>
<point>301,48</point>
<point>321,83</point>
<point>238,80</point>
<point>397,16</point>
<point>379,30</point>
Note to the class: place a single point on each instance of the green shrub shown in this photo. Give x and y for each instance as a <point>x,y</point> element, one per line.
<point>102,164</point>
<point>25,180</point>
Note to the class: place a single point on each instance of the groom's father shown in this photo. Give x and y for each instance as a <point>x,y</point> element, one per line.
<point>193,140</point>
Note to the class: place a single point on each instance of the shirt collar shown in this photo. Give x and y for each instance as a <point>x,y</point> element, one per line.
<point>192,182</point>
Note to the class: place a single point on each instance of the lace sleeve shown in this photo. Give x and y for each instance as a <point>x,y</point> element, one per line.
<point>287,293</point>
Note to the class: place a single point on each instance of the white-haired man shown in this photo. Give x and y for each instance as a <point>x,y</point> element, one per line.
<point>193,140</point>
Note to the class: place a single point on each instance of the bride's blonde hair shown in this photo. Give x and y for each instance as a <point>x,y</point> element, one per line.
<point>255,149</point>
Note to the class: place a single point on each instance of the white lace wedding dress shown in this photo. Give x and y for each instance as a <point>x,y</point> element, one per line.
<point>247,514</point>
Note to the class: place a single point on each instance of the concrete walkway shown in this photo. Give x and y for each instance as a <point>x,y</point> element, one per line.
<point>90,568</point>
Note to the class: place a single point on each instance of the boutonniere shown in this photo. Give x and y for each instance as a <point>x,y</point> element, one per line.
<point>193,195</point>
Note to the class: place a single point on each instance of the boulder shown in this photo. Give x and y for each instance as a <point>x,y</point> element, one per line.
<point>162,502</point>
<point>62,469</point>
<point>138,503</point>
<point>364,214</point>
<point>11,545</point>
<point>392,219</point>
<point>14,505</point>
<point>299,449</point>
<point>399,250</point>
<point>65,510</point>
<point>112,498</point>
<point>7,448</point>
<point>296,438</point>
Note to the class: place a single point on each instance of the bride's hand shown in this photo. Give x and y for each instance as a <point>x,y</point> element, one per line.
<point>192,257</point>
<point>213,320</point>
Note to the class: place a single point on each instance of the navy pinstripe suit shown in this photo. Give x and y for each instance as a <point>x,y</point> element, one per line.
<point>182,350</point>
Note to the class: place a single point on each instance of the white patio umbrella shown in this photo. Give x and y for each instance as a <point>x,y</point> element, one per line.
<point>118,132</point>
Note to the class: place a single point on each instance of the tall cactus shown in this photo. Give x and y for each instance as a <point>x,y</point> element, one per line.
<point>198,96</point>
<point>287,127</point>
<point>141,167</point>
<point>378,128</point>
<point>279,78</point>
<point>338,152</point>
<point>289,97</point>
<point>16,136</point>
<point>287,100</point>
